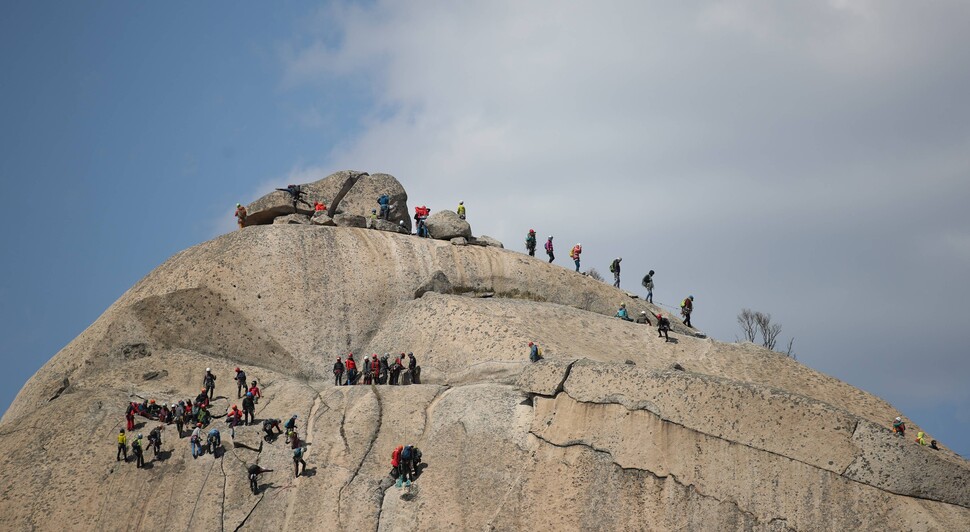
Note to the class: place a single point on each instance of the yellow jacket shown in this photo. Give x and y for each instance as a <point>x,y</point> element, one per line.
<point>122,439</point>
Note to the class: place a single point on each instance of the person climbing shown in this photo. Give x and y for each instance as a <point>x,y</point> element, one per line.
<point>535,353</point>
<point>240,215</point>
<point>413,369</point>
<point>396,465</point>
<point>550,250</point>
<point>406,464</point>
<point>686,307</point>
<point>663,327</point>
<point>615,270</point>
<point>137,450</point>
<point>257,395</point>
<point>899,428</point>
<point>209,383</point>
<point>249,409</point>
<point>648,284</point>
<point>254,471</point>
<point>268,426</point>
<point>213,440</point>
<point>130,416</point>
<point>642,318</point>
<point>240,382</point>
<point>290,426</point>
<point>194,440</point>
<point>298,459</point>
<point>179,415</point>
<point>384,201</point>
<point>351,366</point>
<point>296,193</point>
<point>318,206</point>
<point>155,441</point>
<point>421,214</point>
<point>575,253</point>
<point>122,446</point>
<point>338,372</point>
<point>530,242</point>
<point>461,210</point>
<point>921,438</point>
<point>622,313</point>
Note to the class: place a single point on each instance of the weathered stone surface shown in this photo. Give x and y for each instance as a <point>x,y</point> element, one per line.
<point>320,218</point>
<point>459,241</point>
<point>445,225</point>
<point>545,377</point>
<point>489,241</point>
<point>292,219</point>
<point>350,220</point>
<point>391,227</point>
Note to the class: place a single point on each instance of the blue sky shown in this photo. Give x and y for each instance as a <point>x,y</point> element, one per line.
<point>804,159</point>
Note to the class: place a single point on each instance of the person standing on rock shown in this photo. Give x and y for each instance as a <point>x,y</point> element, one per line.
<point>648,284</point>
<point>254,471</point>
<point>290,427</point>
<point>194,440</point>
<point>385,369</point>
<point>179,414</point>
<point>240,215</point>
<point>686,307</point>
<point>549,250</point>
<point>395,370</point>
<point>535,354</point>
<point>663,327</point>
<point>365,369</point>
<point>130,416</point>
<point>122,446</point>
<point>351,366</point>
<point>257,395</point>
<point>575,253</point>
<point>296,194</point>
<point>530,242</point>
<point>461,210</point>
<point>249,409</point>
<point>298,459</point>
<point>139,453</point>
<point>385,204</point>
<point>375,369</point>
<point>209,383</point>
<point>338,372</point>
<point>413,369</point>
<point>240,382</point>
<point>615,270</point>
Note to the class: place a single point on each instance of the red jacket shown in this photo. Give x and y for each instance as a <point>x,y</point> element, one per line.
<point>375,366</point>
<point>350,364</point>
<point>396,457</point>
<point>255,391</point>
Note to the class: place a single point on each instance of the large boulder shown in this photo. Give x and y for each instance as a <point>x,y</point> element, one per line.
<point>291,219</point>
<point>445,225</point>
<point>486,240</point>
<point>350,220</point>
<point>321,218</point>
<point>389,226</point>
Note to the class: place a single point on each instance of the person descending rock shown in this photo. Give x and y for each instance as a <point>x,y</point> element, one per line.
<point>268,426</point>
<point>530,242</point>
<point>648,284</point>
<point>195,440</point>
<point>384,201</point>
<point>351,370</point>
<point>575,253</point>
<point>155,441</point>
<point>122,446</point>
<point>249,409</point>
<point>461,210</point>
<point>549,250</point>
<point>298,459</point>
<point>139,453</point>
<point>233,419</point>
<point>622,313</point>
<point>254,471</point>
<point>663,327</point>
<point>209,383</point>
<point>615,270</point>
<point>240,215</point>
<point>240,382</point>
<point>290,427</point>
<point>296,193</point>
<point>899,428</point>
<point>642,318</point>
<point>535,353</point>
<point>338,372</point>
<point>686,307</point>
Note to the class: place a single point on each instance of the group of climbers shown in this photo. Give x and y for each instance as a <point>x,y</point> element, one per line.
<point>405,464</point>
<point>899,429</point>
<point>377,370</point>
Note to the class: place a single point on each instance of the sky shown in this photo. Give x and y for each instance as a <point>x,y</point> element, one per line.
<point>806,159</point>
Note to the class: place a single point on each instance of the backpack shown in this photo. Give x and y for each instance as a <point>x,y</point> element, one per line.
<point>613,267</point>
<point>406,453</point>
<point>289,424</point>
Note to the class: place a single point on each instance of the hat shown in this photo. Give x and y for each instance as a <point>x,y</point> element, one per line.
<point>237,370</point>
<point>238,205</point>
<point>139,436</point>
<point>899,419</point>
<point>532,230</point>
<point>530,344</point>
<point>208,369</point>
<point>122,431</point>
<point>643,312</point>
<point>622,305</point>
<point>198,424</point>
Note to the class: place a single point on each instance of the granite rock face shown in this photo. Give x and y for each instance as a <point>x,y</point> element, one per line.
<point>445,225</point>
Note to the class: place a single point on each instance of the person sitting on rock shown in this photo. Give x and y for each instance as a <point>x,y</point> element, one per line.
<point>622,313</point>
<point>933,445</point>
<point>240,215</point>
<point>899,428</point>
<point>461,210</point>
<point>921,438</point>
<point>642,318</point>
<point>663,327</point>
<point>268,426</point>
<point>535,353</point>
<point>254,471</point>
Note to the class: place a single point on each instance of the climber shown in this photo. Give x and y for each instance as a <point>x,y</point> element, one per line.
<point>351,366</point>
<point>407,464</point>
<point>298,459</point>
<point>933,445</point>
<point>530,242</point>
<point>686,307</point>
<point>413,369</point>
<point>240,382</point>
<point>155,441</point>
<point>249,409</point>
<point>319,206</point>
<point>213,441</point>
<point>254,471</point>
<point>384,370</point>
<point>290,426</point>
<point>209,383</point>
<point>394,371</point>
<point>194,440</point>
<point>575,253</point>
<point>268,426</point>
<point>204,416</point>
<point>240,215</point>
<point>130,416</point>
<point>385,204</point>
<point>165,415</point>
<point>899,428</point>
<point>642,318</point>
<point>338,372</point>
<point>921,438</point>
<point>122,446</point>
<point>296,194</point>
<point>535,353</point>
<point>648,284</point>
<point>421,214</point>
<point>461,210</point>
<point>622,313</point>
<point>139,453</point>
<point>179,416</point>
<point>549,250</point>
<point>615,270</point>
<point>153,410</point>
<point>396,464</point>
<point>375,369</point>
<point>663,327</point>
<point>257,395</point>
<point>366,369</point>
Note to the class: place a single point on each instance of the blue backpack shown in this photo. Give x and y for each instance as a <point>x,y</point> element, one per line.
<point>406,453</point>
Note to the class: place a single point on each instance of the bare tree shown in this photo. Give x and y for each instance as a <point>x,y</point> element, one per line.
<point>769,331</point>
<point>594,274</point>
<point>748,325</point>
<point>789,352</point>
